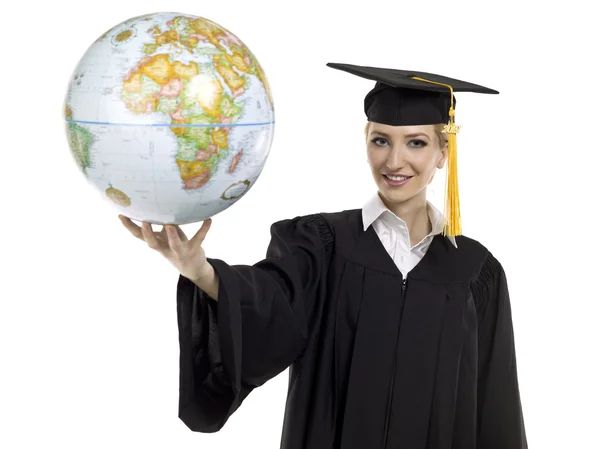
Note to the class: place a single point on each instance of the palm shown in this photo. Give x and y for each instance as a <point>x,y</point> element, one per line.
<point>187,255</point>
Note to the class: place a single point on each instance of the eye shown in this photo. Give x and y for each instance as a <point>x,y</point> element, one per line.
<point>379,141</point>
<point>419,143</point>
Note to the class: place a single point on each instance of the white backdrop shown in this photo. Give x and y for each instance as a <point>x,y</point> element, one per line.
<point>89,349</point>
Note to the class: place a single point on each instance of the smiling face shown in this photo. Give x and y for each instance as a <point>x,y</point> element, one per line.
<point>403,160</point>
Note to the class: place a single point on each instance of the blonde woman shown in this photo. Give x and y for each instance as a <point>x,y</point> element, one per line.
<point>396,328</point>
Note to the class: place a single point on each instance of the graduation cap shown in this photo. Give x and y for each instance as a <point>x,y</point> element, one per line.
<point>404,98</point>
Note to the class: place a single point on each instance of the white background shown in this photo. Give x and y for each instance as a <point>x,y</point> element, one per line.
<point>89,348</point>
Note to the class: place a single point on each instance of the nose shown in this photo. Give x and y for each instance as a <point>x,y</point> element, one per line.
<point>396,158</point>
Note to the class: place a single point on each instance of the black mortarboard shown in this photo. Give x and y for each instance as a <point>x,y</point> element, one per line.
<point>403,98</point>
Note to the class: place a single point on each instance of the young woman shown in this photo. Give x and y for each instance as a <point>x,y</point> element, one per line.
<point>397,329</point>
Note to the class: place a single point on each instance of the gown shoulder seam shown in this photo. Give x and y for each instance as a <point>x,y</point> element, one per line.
<point>325,231</point>
<point>484,281</point>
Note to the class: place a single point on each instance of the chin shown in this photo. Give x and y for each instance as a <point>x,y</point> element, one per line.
<point>393,195</point>
<point>396,195</point>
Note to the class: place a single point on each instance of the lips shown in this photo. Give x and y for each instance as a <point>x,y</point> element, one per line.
<point>397,177</point>
<point>396,180</point>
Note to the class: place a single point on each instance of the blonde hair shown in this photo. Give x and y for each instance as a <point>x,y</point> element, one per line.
<point>441,136</point>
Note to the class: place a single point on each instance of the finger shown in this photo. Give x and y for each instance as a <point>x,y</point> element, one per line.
<point>181,234</point>
<point>132,227</point>
<point>173,238</point>
<point>149,236</point>
<point>199,237</point>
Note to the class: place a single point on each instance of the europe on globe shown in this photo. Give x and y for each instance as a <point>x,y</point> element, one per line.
<point>170,116</point>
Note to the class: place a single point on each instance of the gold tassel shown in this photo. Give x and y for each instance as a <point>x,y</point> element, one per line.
<point>452,222</point>
<point>452,226</point>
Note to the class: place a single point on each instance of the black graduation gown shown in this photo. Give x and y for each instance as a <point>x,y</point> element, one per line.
<point>375,361</point>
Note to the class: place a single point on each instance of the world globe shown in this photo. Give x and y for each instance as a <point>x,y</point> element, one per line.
<point>170,116</point>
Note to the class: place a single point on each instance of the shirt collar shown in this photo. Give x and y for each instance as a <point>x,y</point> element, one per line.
<point>375,208</point>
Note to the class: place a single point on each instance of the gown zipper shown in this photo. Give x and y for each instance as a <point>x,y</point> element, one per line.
<point>391,390</point>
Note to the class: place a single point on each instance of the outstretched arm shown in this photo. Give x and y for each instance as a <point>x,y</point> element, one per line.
<point>256,329</point>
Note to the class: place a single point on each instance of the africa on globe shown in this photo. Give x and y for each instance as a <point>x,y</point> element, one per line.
<point>170,116</point>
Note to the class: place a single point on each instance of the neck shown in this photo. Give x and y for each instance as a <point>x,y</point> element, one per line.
<point>414,213</point>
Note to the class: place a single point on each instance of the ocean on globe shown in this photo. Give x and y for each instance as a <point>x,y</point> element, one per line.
<point>170,116</point>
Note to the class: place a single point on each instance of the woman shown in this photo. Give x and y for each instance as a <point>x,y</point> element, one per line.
<point>397,329</point>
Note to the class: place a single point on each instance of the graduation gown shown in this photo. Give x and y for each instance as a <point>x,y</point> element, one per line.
<point>376,361</point>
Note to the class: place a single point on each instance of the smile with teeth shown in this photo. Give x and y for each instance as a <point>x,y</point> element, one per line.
<point>397,178</point>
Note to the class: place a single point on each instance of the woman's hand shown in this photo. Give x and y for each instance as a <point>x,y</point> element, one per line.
<point>186,255</point>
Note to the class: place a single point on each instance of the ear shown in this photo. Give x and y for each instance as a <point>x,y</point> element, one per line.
<point>444,156</point>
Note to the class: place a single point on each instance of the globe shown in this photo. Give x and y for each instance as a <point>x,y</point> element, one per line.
<point>170,116</point>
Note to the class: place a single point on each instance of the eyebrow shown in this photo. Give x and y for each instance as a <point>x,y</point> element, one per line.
<point>387,136</point>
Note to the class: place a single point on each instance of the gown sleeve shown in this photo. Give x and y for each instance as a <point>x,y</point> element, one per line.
<point>256,329</point>
<point>500,423</point>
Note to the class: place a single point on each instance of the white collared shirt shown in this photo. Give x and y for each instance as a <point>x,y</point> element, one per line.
<point>394,235</point>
